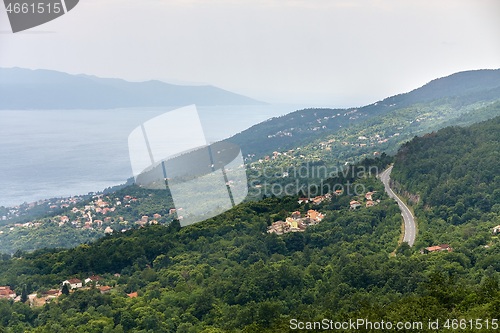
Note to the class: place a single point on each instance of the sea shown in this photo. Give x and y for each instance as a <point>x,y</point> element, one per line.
<point>60,153</point>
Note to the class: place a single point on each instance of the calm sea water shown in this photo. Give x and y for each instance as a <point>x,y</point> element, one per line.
<point>49,153</point>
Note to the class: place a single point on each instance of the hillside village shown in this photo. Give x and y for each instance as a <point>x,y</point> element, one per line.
<point>45,205</point>
<point>298,223</point>
<point>101,213</point>
<point>322,123</point>
<point>67,286</point>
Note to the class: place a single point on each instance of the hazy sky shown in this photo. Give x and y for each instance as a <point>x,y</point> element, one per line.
<point>329,52</point>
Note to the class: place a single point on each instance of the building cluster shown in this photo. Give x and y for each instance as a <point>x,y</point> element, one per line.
<point>318,199</point>
<point>318,124</point>
<point>296,223</point>
<point>360,141</point>
<point>47,204</point>
<point>97,214</point>
<point>75,283</point>
<point>368,201</point>
<point>45,297</point>
<point>40,299</point>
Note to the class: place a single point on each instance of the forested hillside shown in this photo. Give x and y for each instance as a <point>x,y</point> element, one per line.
<point>459,99</point>
<point>228,274</point>
<point>453,176</point>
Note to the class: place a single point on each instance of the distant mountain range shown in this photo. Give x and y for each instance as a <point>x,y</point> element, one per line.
<point>46,89</point>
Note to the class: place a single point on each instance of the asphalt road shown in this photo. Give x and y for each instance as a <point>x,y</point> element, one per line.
<point>409,220</point>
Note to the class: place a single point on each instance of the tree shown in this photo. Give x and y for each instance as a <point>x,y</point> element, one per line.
<point>24,294</point>
<point>65,289</point>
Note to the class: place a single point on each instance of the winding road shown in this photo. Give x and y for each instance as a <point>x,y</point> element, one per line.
<point>409,220</point>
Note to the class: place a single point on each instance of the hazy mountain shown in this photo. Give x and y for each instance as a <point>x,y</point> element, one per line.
<point>451,100</point>
<point>46,89</point>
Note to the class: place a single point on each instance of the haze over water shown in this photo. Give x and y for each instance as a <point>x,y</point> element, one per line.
<point>54,153</point>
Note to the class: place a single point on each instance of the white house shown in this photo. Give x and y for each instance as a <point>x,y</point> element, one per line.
<point>73,283</point>
<point>93,278</point>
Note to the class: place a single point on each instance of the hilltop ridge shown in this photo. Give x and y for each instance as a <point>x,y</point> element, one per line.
<point>49,89</point>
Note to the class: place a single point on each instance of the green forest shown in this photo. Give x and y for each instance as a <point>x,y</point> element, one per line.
<point>227,274</point>
<point>454,175</point>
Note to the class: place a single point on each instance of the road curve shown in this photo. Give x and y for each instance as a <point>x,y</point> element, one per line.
<point>409,220</point>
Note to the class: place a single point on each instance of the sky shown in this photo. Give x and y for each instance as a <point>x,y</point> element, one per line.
<point>335,53</point>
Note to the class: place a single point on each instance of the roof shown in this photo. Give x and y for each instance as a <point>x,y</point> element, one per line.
<point>133,295</point>
<point>95,278</point>
<point>438,247</point>
<point>6,292</point>
<point>72,281</point>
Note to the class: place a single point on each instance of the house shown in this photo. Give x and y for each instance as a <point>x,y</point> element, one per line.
<point>436,248</point>
<point>108,230</point>
<point>51,294</point>
<point>338,192</point>
<point>293,223</point>
<point>141,223</point>
<point>314,215</point>
<point>496,230</point>
<point>7,293</point>
<point>133,295</point>
<point>354,204</point>
<point>279,228</point>
<point>303,200</point>
<point>73,283</point>
<point>317,200</point>
<point>368,196</point>
<point>105,289</point>
<point>370,203</point>
<point>92,279</point>
<point>101,204</point>
<point>296,215</point>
